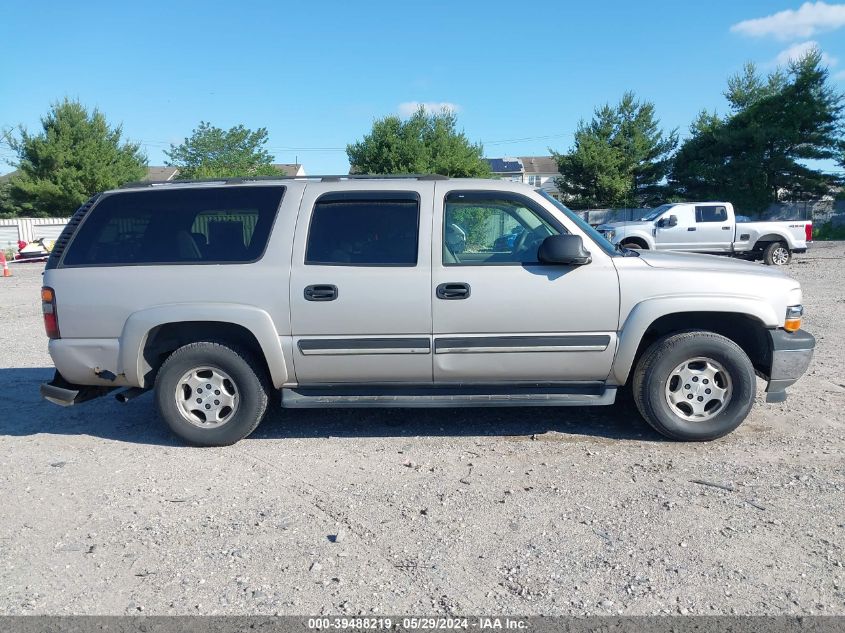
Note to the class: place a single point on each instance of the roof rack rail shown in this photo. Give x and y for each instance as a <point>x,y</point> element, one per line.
<point>321,178</point>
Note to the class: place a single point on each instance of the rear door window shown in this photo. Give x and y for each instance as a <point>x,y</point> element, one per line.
<point>364,229</point>
<point>177,226</point>
<point>711,214</point>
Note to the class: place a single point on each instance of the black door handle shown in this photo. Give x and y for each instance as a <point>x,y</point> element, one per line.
<point>454,290</point>
<point>320,292</point>
<point>691,228</point>
<point>726,228</point>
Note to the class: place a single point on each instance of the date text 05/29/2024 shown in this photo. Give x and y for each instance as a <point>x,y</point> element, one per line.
<point>418,623</point>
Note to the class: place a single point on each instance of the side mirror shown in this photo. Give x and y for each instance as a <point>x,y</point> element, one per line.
<point>563,249</point>
<point>673,220</point>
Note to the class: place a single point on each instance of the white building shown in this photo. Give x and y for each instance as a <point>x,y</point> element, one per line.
<point>539,171</point>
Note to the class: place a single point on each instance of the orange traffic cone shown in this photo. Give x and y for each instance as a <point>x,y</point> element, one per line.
<point>6,271</point>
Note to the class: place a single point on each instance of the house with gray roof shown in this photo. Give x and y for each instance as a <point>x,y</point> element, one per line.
<point>538,171</point>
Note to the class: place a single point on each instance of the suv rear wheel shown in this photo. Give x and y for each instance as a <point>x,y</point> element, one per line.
<point>694,386</point>
<point>210,393</point>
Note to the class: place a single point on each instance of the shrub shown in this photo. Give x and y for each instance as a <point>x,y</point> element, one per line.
<point>829,231</point>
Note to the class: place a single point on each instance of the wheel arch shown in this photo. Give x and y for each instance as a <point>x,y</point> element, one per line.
<point>744,321</point>
<point>150,335</point>
<point>636,239</point>
<point>764,240</point>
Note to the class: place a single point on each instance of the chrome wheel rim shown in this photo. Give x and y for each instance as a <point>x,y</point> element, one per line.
<point>206,397</point>
<point>780,256</point>
<point>698,389</point>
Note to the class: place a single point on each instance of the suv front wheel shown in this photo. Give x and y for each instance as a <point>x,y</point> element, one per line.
<point>694,386</point>
<point>211,394</point>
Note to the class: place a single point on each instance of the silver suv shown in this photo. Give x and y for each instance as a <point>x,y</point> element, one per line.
<point>402,292</point>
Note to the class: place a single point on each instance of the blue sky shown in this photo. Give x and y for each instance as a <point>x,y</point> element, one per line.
<point>316,74</point>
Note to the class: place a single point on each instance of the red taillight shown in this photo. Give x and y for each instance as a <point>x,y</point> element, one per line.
<point>808,231</point>
<point>48,308</point>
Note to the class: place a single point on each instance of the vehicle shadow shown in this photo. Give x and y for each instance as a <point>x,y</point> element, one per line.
<point>138,421</point>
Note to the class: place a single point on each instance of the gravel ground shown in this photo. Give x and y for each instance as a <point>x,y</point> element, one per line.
<point>521,511</point>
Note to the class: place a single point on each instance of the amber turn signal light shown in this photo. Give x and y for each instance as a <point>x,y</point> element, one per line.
<point>793,318</point>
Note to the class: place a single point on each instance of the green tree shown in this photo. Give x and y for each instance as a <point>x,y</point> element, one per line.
<point>8,209</point>
<point>76,154</point>
<point>211,152</point>
<point>748,87</point>
<point>758,154</point>
<point>620,158</point>
<point>425,143</point>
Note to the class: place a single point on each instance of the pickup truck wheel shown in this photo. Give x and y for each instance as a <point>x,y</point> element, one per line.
<point>694,386</point>
<point>777,254</point>
<point>632,245</point>
<point>210,394</point>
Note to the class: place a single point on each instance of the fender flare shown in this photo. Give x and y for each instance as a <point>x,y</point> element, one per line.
<point>645,237</point>
<point>647,312</point>
<point>781,237</point>
<point>257,321</point>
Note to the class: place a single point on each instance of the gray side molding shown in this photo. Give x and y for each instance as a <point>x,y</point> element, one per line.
<point>338,346</point>
<point>503,344</point>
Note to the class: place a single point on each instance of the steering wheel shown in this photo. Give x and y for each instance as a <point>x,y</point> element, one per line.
<point>526,240</point>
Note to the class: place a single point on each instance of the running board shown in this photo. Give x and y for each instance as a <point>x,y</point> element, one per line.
<point>582,395</point>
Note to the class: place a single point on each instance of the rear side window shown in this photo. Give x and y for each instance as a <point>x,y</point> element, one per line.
<point>177,226</point>
<point>711,214</point>
<point>364,229</point>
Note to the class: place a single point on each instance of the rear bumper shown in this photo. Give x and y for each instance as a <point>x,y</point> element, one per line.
<point>791,355</point>
<point>60,391</point>
<point>81,360</point>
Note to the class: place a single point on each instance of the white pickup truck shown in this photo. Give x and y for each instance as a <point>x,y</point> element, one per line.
<point>712,227</point>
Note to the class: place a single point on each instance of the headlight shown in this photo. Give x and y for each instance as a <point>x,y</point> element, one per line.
<point>609,235</point>
<point>793,318</point>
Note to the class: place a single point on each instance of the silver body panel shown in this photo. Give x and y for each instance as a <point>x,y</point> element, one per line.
<point>537,302</point>
<point>372,301</point>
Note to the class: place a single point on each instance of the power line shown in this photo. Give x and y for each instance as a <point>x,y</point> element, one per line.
<point>526,138</point>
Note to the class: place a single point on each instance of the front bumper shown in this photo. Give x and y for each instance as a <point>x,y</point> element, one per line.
<point>60,391</point>
<point>791,355</point>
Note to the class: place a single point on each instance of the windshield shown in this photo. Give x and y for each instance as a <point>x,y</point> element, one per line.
<point>594,235</point>
<point>655,213</point>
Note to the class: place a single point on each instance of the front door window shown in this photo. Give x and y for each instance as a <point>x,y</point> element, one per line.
<point>483,229</point>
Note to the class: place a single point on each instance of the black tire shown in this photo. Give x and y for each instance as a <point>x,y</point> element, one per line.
<point>655,370</point>
<point>777,254</point>
<point>247,379</point>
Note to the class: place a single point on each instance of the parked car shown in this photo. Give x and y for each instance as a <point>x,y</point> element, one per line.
<point>711,227</point>
<point>346,293</point>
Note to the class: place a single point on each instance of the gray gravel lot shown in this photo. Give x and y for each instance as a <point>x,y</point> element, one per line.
<point>521,511</point>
